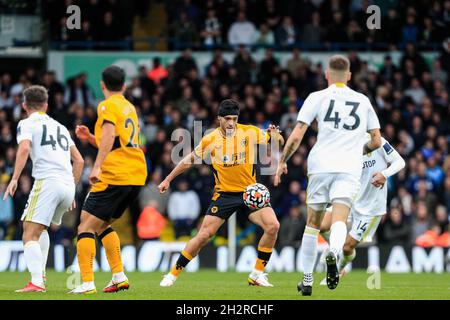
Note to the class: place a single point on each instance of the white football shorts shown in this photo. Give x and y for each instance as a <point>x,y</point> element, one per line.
<point>363,226</point>
<point>325,188</point>
<point>48,201</point>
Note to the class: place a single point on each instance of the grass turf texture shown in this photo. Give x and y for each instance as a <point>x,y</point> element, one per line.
<point>211,285</point>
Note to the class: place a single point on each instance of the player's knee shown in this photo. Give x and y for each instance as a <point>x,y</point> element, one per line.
<point>272,228</point>
<point>204,236</point>
<point>29,235</point>
<point>84,227</point>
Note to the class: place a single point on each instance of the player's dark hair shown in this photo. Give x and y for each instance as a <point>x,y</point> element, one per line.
<point>339,63</point>
<point>114,78</point>
<point>228,107</point>
<point>35,97</point>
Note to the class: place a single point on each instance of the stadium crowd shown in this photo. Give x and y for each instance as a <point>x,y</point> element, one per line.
<point>281,24</point>
<point>326,24</point>
<point>411,100</point>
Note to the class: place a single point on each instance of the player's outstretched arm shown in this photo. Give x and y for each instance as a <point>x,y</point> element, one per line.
<point>291,146</point>
<point>181,167</point>
<point>21,159</point>
<point>106,144</point>
<point>375,141</point>
<point>82,133</point>
<point>77,163</point>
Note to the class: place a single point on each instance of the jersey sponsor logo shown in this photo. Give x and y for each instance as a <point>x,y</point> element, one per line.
<point>387,147</point>
<point>369,164</point>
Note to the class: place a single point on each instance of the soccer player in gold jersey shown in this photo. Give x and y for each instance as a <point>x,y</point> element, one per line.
<point>231,150</point>
<point>118,174</point>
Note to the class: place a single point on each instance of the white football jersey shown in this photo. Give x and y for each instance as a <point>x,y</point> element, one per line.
<point>372,201</point>
<point>50,146</point>
<point>343,116</point>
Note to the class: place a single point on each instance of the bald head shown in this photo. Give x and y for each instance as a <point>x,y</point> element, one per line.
<point>338,69</point>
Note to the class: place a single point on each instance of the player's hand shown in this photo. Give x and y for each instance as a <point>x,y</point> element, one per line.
<point>82,133</point>
<point>11,189</point>
<point>275,132</point>
<point>274,128</point>
<point>164,186</point>
<point>282,169</point>
<point>378,180</point>
<point>95,175</point>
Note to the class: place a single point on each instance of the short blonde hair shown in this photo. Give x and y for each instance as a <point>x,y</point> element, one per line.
<point>339,63</point>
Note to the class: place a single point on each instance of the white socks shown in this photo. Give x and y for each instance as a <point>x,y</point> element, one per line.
<point>338,234</point>
<point>346,259</point>
<point>33,259</point>
<point>308,254</point>
<point>44,242</point>
<point>256,272</point>
<point>119,277</point>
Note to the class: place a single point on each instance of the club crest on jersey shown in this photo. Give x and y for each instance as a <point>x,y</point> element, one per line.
<point>244,142</point>
<point>214,209</point>
<point>387,147</point>
<point>226,158</point>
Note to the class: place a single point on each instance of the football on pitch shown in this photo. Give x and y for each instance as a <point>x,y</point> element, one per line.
<point>256,196</point>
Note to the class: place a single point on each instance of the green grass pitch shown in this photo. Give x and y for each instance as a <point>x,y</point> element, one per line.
<point>207,285</point>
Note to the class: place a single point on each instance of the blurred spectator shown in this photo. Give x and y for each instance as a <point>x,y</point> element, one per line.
<point>151,222</point>
<point>78,91</point>
<point>61,234</point>
<point>242,31</point>
<point>447,192</point>
<point>396,231</point>
<point>437,72</point>
<point>421,221</point>
<point>435,236</point>
<point>442,218</point>
<point>108,30</point>
<point>191,11</point>
<point>291,228</point>
<point>287,33</point>
<point>296,63</point>
<point>158,72</point>
<point>290,199</point>
<point>336,31</point>
<point>212,30</point>
<point>314,33</point>
<point>183,209</point>
<point>429,34</point>
<point>184,32</point>
<point>269,69</point>
<point>410,32</point>
<point>6,209</point>
<point>415,91</point>
<point>435,172</point>
<point>151,193</point>
<point>264,36</point>
<point>184,64</point>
